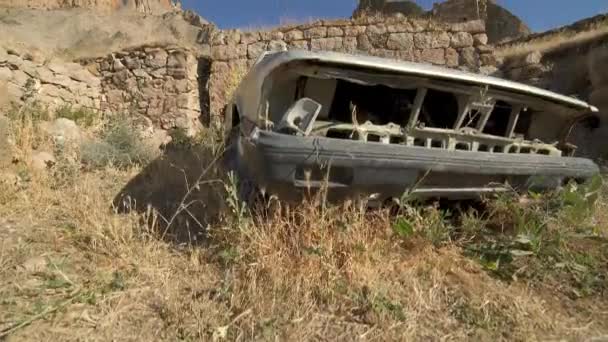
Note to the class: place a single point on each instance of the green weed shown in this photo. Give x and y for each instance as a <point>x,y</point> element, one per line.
<point>82,116</point>
<point>119,146</point>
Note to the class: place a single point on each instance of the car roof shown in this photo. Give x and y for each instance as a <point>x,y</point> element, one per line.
<point>272,60</point>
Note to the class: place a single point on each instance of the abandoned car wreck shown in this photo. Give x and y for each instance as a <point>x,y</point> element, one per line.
<point>377,128</point>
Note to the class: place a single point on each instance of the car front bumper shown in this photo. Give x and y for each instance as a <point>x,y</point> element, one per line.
<point>286,164</point>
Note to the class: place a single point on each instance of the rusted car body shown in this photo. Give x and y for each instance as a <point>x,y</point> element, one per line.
<point>378,128</point>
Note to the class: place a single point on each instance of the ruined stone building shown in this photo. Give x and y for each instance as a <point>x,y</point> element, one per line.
<point>501,24</point>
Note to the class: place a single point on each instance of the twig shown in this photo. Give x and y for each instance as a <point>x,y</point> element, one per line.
<point>34,318</point>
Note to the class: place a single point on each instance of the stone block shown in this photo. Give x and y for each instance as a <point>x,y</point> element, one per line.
<point>177,59</point>
<point>432,40</point>
<point>250,37</point>
<point>469,58</point>
<point>117,65</point>
<point>451,58</point>
<point>218,38</point>
<point>335,32</point>
<point>228,52</point>
<point>384,53</point>
<point>487,59</point>
<point>272,35</point>
<point>473,27</point>
<point>326,44</point>
<point>233,37</point>
<point>400,41</point>
<point>294,35</point>
<point>461,40</point>
<point>363,43</point>
<point>433,56</point>
<point>349,44</point>
<point>354,31</point>
<point>406,55</point>
<point>157,59</point>
<point>315,32</point>
<point>299,45</point>
<point>480,39</point>
<point>277,45</point>
<point>256,49</point>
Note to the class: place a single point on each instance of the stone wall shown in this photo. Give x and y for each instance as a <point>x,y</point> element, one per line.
<point>160,85</point>
<point>51,83</point>
<point>501,24</point>
<point>456,45</point>
<point>571,60</point>
<point>170,86</point>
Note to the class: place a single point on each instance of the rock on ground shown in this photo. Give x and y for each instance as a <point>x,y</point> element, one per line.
<point>42,160</point>
<point>63,130</point>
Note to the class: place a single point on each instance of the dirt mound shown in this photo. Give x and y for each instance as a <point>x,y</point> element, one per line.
<point>81,33</point>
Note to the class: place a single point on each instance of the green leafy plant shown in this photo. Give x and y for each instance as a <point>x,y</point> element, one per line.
<point>403,227</point>
<point>237,207</point>
<point>578,200</point>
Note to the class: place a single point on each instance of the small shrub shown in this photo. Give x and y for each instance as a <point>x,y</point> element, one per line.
<point>82,116</point>
<point>120,146</point>
<point>579,201</point>
<point>435,226</point>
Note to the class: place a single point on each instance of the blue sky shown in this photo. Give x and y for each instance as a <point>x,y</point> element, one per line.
<point>540,15</point>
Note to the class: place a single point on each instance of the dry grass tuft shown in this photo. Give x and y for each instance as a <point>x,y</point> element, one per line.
<point>71,267</point>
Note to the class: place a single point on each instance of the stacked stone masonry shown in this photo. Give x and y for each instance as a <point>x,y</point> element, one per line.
<point>169,87</point>
<point>578,70</point>
<point>53,84</point>
<point>157,84</point>
<point>456,45</point>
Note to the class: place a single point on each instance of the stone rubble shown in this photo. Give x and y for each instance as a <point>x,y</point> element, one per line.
<point>54,84</point>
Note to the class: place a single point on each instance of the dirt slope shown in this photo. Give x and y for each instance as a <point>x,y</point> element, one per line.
<point>144,6</point>
<point>79,33</point>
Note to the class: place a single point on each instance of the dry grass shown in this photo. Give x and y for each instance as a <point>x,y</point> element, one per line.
<point>71,268</point>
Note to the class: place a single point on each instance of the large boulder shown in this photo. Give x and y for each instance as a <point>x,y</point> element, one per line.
<point>63,130</point>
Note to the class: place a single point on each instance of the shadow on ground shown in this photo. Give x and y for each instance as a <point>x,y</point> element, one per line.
<point>180,194</point>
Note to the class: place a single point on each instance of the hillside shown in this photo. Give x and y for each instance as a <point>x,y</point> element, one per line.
<point>81,33</point>
<point>99,6</point>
